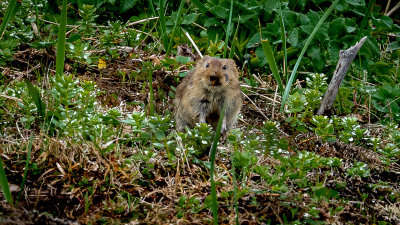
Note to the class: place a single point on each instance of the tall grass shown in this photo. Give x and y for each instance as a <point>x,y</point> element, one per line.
<point>228,30</point>
<point>27,163</point>
<point>271,62</point>
<point>163,27</point>
<point>296,66</point>
<point>234,41</point>
<point>12,9</point>
<point>61,40</point>
<point>4,184</point>
<point>283,37</point>
<point>35,95</point>
<point>148,68</point>
<point>176,24</point>
<point>235,196</point>
<point>214,203</point>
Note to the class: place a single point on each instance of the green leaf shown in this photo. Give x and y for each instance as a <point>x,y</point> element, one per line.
<point>220,12</point>
<point>158,145</point>
<point>190,18</point>
<point>182,59</point>
<point>200,5</point>
<point>337,27</point>
<point>128,4</point>
<point>290,18</point>
<point>383,22</point>
<point>4,184</point>
<point>35,95</point>
<point>293,38</point>
<point>382,68</point>
<point>176,24</point>
<point>159,134</point>
<point>270,5</point>
<point>325,192</point>
<point>12,8</point>
<point>272,63</point>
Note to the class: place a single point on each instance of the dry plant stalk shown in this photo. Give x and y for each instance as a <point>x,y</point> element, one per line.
<point>346,57</point>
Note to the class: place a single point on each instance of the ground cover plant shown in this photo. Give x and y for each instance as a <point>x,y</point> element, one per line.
<point>87,134</point>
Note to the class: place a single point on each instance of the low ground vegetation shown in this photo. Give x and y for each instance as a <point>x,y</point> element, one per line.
<point>98,145</point>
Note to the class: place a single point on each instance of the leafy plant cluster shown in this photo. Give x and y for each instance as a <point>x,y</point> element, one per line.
<point>281,23</point>
<point>303,104</point>
<point>66,108</point>
<point>72,111</point>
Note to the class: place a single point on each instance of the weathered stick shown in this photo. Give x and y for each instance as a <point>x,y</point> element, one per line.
<point>345,59</point>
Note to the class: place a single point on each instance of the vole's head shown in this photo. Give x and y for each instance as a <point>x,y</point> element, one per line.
<point>215,72</point>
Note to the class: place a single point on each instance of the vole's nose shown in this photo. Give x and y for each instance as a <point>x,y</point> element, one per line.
<point>214,80</point>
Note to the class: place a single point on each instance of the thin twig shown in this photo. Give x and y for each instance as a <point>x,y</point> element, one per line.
<point>73,26</point>
<point>263,96</point>
<point>273,106</point>
<point>259,110</point>
<point>203,28</point>
<point>194,44</point>
<point>387,6</point>
<point>397,6</point>
<point>141,21</point>
<point>11,98</point>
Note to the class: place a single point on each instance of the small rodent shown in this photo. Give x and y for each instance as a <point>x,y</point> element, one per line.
<point>202,94</point>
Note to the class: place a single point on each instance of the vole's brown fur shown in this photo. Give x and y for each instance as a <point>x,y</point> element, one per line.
<point>203,92</point>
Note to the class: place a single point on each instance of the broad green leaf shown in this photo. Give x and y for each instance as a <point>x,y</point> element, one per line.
<point>270,5</point>
<point>190,18</point>
<point>182,59</point>
<point>159,134</point>
<point>220,12</point>
<point>128,4</point>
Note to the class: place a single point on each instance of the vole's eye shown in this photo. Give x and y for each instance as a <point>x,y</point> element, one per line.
<point>207,65</point>
<point>224,67</point>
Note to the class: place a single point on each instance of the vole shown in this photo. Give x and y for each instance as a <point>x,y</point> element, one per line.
<point>202,94</point>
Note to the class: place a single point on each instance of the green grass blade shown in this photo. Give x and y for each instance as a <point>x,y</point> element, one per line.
<point>27,163</point>
<point>292,75</point>
<point>61,40</point>
<point>37,16</point>
<point>228,29</point>
<point>200,5</point>
<point>235,197</point>
<point>283,37</point>
<point>163,27</point>
<point>365,19</point>
<point>214,204</point>
<point>177,23</point>
<point>150,80</point>
<point>271,62</point>
<point>151,6</point>
<point>4,184</point>
<point>12,9</point>
<point>34,93</point>
<point>234,41</point>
